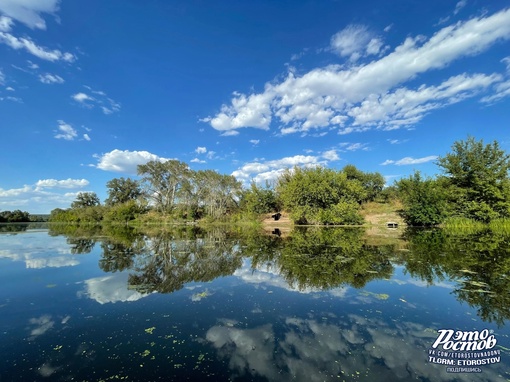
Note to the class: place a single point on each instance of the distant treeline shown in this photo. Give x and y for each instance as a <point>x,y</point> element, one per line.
<point>18,216</point>
<point>474,186</point>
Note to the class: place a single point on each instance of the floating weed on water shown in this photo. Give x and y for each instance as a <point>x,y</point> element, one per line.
<point>145,353</point>
<point>150,330</point>
<point>51,285</point>
<point>58,347</point>
<point>200,296</point>
<point>379,296</point>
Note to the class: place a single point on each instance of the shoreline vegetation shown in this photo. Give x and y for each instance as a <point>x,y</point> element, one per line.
<point>471,193</point>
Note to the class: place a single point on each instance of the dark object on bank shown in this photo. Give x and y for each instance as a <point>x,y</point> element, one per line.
<point>277,232</point>
<point>392,225</point>
<point>276,216</point>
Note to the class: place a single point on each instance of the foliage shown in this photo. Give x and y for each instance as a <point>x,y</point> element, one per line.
<point>163,182</point>
<point>477,179</point>
<point>86,199</point>
<point>372,182</point>
<point>424,201</point>
<point>259,200</point>
<point>16,216</point>
<point>123,212</point>
<point>122,190</point>
<point>325,196</point>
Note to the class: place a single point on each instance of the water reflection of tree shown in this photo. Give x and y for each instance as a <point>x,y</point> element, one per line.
<point>171,261</point>
<point>479,263</point>
<point>325,258</point>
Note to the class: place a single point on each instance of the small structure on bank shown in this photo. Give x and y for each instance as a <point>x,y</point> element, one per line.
<point>392,224</point>
<point>276,216</point>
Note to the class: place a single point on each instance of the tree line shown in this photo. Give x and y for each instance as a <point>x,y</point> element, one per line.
<point>474,185</point>
<point>172,190</point>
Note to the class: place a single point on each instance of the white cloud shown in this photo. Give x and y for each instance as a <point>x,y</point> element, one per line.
<point>82,97</point>
<point>201,150</point>
<point>29,12</point>
<point>409,160</point>
<point>370,95</point>
<point>230,133</point>
<point>125,161</point>
<point>8,88</point>
<point>5,24</point>
<point>353,146</point>
<point>196,160</point>
<point>86,137</point>
<point>2,78</point>
<point>355,41</point>
<point>460,5</point>
<point>34,49</point>
<point>65,183</point>
<point>331,155</point>
<point>254,141</point>
<point>51,79</point>
<point>396,141</point>
<point>65,131</point>
<point>40,197</point>
<point>101,100</point>
<point>263,171</point>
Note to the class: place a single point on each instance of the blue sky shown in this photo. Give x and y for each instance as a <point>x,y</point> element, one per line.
<point>90,89</point>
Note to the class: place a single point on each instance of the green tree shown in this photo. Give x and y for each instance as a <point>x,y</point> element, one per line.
<point>372,182</point>
<point>86,199</point>
<point>164,181</point>
<point>16,216</point>
<point>477,178</point>
<point>321,196</point>
<point>424,201</point>
<point>122,190</point>
<point>259,200</point>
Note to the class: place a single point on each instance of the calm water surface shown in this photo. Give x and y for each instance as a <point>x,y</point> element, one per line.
<point>194,305</point>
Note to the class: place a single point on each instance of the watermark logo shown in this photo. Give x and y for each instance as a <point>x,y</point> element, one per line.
<point>464,351</point>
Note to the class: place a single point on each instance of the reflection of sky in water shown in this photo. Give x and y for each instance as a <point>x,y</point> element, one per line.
<point>112,288</point>
<point>37,250</point>
<point>84,324</point>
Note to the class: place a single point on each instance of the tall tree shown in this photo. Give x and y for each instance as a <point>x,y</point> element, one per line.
<point>86,199</point>
<point>163,182</point>
<point>477,175</point>
<point>122,190</point>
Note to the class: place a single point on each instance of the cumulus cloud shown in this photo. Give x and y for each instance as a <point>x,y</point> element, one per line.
<point>262,171</point>
<point>125,161</point>
<point>29,12</point>
<point>331,155</point>
<point>51,79</point>
<point>201,150</point>
<point>66,183</point>
<point>197,160</point>
<point>254,142</point>
<point>33,199</point>
<point>409,160</point>
<point>65,131</point>
<point>372,94</point>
